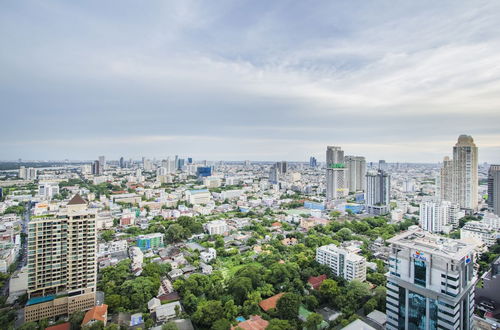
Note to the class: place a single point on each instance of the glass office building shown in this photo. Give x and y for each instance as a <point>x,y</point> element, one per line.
<point>430,282</point>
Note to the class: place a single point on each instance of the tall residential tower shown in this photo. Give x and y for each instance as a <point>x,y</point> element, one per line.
<point>494,189</point>
<point>61,262</point>
<point>336,178</point>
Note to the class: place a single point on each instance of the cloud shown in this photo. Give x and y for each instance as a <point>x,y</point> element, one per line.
<point>248,80</point>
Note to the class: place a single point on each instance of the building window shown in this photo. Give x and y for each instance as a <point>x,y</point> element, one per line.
<point>416,311</point>
<point>419,268</point>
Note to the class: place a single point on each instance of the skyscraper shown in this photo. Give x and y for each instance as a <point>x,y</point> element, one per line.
<point>61,262</point>
<point>378,188</point>
<point>336,178</point>
<point>313,162</point>
<point>96,168</point>
<point>356,172</point>
<point>446,180</point>
<point>273,174</point>
<point>465,179</point>
<point>102,163</point>
<point>122,162</point>
<point>431,282</point>
<point>494,189</point>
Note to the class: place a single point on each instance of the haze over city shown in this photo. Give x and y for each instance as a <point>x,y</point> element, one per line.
<point>253,80</point>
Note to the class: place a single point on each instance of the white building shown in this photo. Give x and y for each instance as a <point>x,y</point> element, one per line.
<point>356,171</point>
<point>199,196</point>
<point>378,188</point>
<point>479,230</point>
<point>112,247</point>
<point>209,255</point>
<point>336,174</point>
<point>431,282</point>
<point>342,262</point>
<point>47,190</point>
<point>437,217</point>
<point>217,227</point>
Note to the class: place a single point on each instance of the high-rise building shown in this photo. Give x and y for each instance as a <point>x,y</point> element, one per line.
<point>343,263</point>
<point>102,164</point>
<point>313,162</point>
<point>445,185</point>
<point>122,162</point>
<point>382,165</point>
<point>29,173</point>
<point>431,282</point>
<point>439,216</point>
<point>356,172</point>
<point>494,189</point>
<point>465,176</point>
<point>61,262</point>
<point>274,174</point>
<point>96,168</point>
<point>378,188</point>
<point>190,160</point>
<point>336,174</point>
<point>282,167</point>
<point>180,163</point>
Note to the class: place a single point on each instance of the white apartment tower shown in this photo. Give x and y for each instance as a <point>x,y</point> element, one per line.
<point>61,262</point>
<point>494,189</point>
<point>465,179</point>
<point>446,180</point>
<point>378,188</point>
<point>343,263</point>
<point>431,282</point>
<point>356,171</point>
<point>439,216</point>
<point>336,178</point>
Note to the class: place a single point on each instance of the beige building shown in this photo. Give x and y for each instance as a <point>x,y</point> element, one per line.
<point>465,161</point>
<point>61,262</point>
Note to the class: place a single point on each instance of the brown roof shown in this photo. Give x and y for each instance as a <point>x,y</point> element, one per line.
<point>97,313</point>
<point>271,302</point>
<point>76,200</point>
<point>62,326</point>
<point>254,323</point>
<point>316,281</point>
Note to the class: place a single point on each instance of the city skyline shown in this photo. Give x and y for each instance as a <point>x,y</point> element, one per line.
<point>248,80</point>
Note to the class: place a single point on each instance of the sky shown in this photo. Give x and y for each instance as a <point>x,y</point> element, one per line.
<point>257,80</point>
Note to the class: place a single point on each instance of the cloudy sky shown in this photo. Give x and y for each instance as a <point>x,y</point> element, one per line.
<point>259,80</point>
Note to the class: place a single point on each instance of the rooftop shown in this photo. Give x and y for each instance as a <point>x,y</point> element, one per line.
<point>422,240</point>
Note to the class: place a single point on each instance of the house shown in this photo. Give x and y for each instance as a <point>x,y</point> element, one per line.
<point>153,304</point>
<point>168,311</point>
<point>315,281</point>
<point>254,323</point>
<point>378,317</point>
<point>206,269</point>
<point>358,325</point>
<point>271,302</point>
<point>62,326</point>
<point>175,274</point>
<point>96,313</point>
<point>209,255</point>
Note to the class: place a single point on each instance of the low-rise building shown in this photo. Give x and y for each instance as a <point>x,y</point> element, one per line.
<point>342,262</point>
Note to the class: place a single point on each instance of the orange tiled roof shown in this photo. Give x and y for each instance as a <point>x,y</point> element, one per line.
<point>271,302</point>
<point>316,281</point>
<point>97,313</point>
<point>62,326</point>
<point>254,323</point>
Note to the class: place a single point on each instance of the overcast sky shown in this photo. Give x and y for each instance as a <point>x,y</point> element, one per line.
<point>258,80</point>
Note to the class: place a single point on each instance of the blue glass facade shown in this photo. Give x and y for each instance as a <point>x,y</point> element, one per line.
<point>417,306</point>
<point>420,272</point>
<point>204,171</point>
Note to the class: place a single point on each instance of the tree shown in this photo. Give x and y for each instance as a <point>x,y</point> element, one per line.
<point>99,325</point>
<point>76,319</point>
<point>108,235</point>
<point>175,233</point>
<point>222,324</point>
<point>239,287</point>
<point>313,321</point>
<point>208,312</point>
<point>369,306</point>
<point>288,306</point>
<point>169,326</point>
<point>330,291</point>
<point>231,310</point>
<point>29,326</point>
<point>277,324</point>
